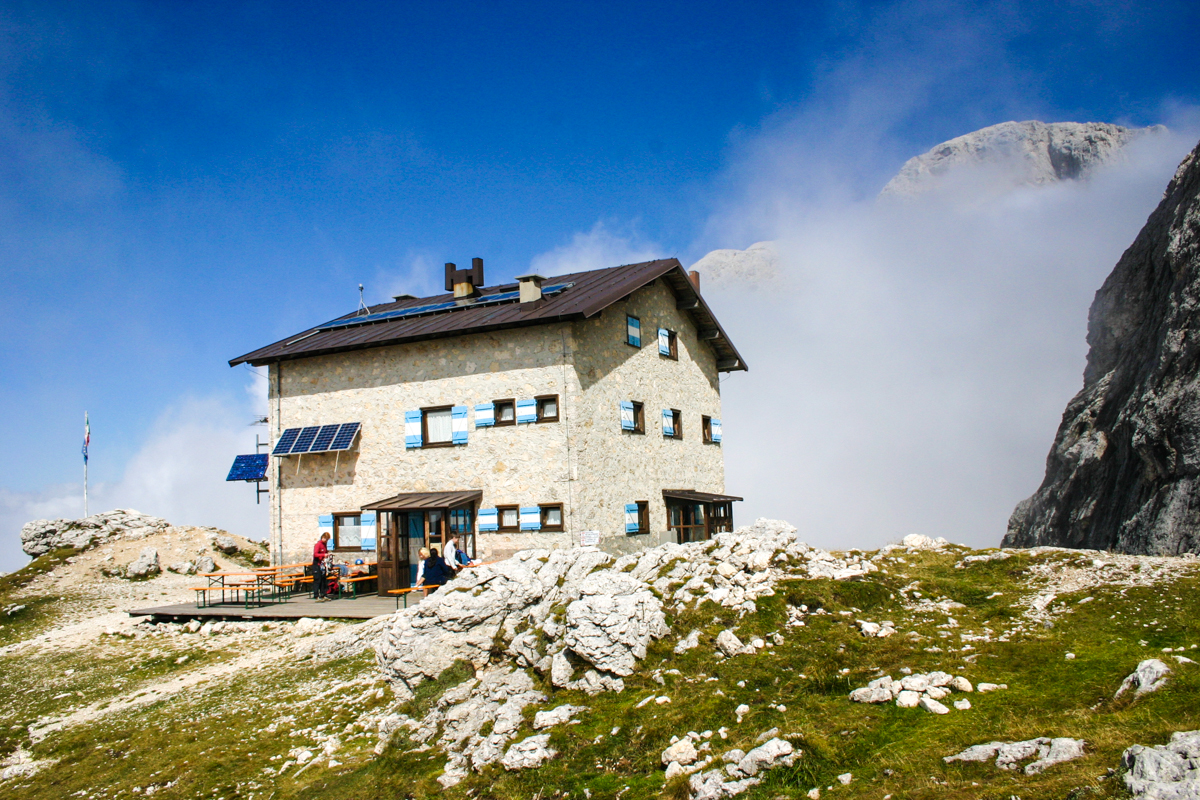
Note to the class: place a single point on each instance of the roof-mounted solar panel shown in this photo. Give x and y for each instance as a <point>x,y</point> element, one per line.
<point>317,439</point>
<point>249,468</point>
<point>345,436</point>
<point>286,440</point>
<point>434,308</point>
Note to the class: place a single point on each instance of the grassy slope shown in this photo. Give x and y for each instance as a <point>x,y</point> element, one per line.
<point>217,741</point>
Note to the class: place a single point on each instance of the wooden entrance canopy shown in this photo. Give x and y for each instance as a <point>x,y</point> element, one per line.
<point>420,501</point>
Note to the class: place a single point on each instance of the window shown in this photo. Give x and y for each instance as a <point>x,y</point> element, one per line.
<point>552,517</point>
<point>672,423</point>
<point>347,532</point>
<point>633,331</point>
<point>506,412</point>
<point>547,408</point>
<point>637,517</point>
<point>639,419</point>
<point>436,426</point>
<point>668,343</point>
<point>510,518</point>
<point>706,429</point>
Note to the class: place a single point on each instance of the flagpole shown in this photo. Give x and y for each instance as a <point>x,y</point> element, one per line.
<point>87,436</point>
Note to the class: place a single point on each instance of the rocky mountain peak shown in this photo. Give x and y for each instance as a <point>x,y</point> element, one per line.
<point>1124,471</point>
<point>1031,153</point>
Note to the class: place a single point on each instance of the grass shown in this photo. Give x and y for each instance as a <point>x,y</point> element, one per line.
<point>219,741</point>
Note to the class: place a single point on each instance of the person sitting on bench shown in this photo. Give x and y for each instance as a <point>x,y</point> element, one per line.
<point>434,572</point>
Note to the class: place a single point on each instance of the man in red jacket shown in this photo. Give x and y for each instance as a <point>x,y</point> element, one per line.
<point>320,581</point>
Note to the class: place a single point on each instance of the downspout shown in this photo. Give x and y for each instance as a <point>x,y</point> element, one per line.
<point>567,430</point>
<point>278,464</point>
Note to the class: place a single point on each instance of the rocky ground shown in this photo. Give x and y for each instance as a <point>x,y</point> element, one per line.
<point>750,666</point>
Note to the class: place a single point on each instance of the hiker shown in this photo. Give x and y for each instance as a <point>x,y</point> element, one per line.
<point>422,554</point>
<point>456,559</point>
<point>435,571</point>
<point>320,556</point>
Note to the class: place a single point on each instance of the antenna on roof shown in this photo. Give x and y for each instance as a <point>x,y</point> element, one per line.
<point>362,306</point>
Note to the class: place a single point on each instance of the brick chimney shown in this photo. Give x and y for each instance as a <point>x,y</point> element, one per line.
<point>694,277</point>
<point>465,282</point>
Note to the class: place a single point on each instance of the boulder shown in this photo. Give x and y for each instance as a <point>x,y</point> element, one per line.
<point>1165,772</point>
<point>932,706</point>
<point>1008,755</point>
<point>774,752</point>
<point>689,642</point>
<point>1121,475</point>
<point>205,564</point>
<point>1150,676</point>
<point>682,752</point>
<point>555,716</point>
<point>908,699</point>
<point>183,568</point>
<point>729,644</point>
<point>226,545</point>
<point>529,753</point>
<point>145,565</point>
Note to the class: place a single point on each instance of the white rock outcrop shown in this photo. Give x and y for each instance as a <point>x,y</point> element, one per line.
<point>1150,676</point>
<point>43,535</point>
<point>555,716</point>
<point>145,565</point>
<point>1165,772</point>
<point>1008,755</point>
<point>529,753</point>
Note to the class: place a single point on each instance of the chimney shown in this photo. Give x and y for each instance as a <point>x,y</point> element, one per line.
<point>695,279</point>
<point>531,287</point>
<point>465,282</point>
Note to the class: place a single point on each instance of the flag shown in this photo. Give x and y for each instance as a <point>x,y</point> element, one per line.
<point>87,436</point>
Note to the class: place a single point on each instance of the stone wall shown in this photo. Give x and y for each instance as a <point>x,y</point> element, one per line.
<point>583,461</point>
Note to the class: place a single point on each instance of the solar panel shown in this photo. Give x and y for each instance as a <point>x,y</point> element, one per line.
<point>345,436</point>
<point>384,316</point>
<point>324,437</point>
<point>305,439</point>
<point>249,468</point>
<point>286,440</point>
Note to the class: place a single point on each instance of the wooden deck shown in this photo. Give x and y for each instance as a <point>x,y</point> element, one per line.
<point>363,607</point>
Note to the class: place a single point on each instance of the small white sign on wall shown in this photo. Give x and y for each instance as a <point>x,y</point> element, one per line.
<point>589,539</point>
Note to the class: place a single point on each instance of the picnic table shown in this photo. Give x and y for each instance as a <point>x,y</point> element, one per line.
<point>251,585</point>
<point>398,593</point>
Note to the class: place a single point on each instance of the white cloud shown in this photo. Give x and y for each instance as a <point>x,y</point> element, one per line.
<point>911,364</point>
<point>600,247</point>
<point>178,474</point>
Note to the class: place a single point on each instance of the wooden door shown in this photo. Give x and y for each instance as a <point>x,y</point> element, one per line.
<point>388,562</point>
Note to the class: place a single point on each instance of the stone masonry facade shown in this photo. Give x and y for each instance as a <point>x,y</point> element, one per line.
<point>585,461</point>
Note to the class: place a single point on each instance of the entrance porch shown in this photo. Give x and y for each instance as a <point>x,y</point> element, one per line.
<point>413,520</point>
<point>697,516</point>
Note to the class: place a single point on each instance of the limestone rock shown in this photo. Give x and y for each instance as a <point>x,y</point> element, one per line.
<point>1150,676</point>
<point>682,752</point>
<point>1123,473</point>
<point>205,564</point>
<point>529,753</point>
<point>908,699</point>
<point>1008,755</point>
<point>774,752</point>
<point>932,706</point>
<point>1027,153</point>
<point>555,716</point>
<point>729,644</point>
<point>689,642</point>
<point>226,545</point>
<point>1165,772</point>
<point>183,568</point>
<point>43,535</point>
<point>145,566</point>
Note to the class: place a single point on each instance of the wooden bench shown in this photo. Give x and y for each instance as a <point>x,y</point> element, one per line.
<point>353,582</point>
<point>248,590</point>
<point>405,592</point>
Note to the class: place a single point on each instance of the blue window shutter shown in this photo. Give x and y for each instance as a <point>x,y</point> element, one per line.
<point>631,518</point>
<point>633,331</point>
<point>325,524</point>
<point>458,424</point>
<point>485,415</point>
<point>664,342</point>
<point>527,410</point>
<point>412,429</point>
<point>367,520</point>
<point>531,518</point>
<point>668,422</point>
<point>489,519</point>
<point>716,431</point>
<point>627,415</point>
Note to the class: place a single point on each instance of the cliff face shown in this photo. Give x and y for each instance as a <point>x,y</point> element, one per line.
<point>1032,152</point>
<point>1124,471</point>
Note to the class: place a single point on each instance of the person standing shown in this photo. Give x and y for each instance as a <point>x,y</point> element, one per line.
<point>422,554</point>
<point>320,556</point>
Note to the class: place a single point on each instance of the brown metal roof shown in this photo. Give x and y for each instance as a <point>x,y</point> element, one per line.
<point>692,496</point>
<point>588,295</point>
<point>415,501</point>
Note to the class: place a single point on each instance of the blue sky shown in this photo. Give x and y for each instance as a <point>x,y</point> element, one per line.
<point>181,183</point>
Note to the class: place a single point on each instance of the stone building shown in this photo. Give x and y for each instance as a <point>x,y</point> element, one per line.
<point>543,413</point>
